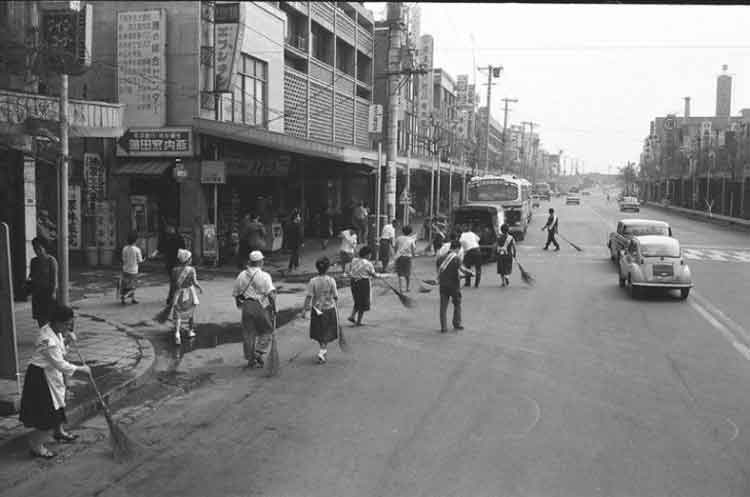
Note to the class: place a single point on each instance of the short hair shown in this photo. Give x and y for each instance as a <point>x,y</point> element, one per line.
<point>455,244</point>
<point>322,265</point>
<point>365,251</point>
<point>60,313</point>
<point>551,210</point>
<point>504,228</point>
<point>40,242</point>
<point>394,221</point>
<point>406,230</point>
<point>132,237</point>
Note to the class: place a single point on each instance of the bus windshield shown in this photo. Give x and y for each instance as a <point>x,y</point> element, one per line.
<point>496,191</point>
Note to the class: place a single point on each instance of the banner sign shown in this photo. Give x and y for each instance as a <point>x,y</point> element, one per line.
<point>226,38</point>
<point>156,142</point>
<point>68,37</point>
<point>213,172</point>
<point>375,119</point>
<point>94,177</point>
<point>141,66</point>
<point>8,343</point>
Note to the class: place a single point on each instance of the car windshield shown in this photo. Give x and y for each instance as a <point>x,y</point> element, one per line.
<point>660,249</point>
<point>646,229</point>
<point>499,191</point>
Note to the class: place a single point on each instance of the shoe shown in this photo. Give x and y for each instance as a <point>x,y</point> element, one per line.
<point>191,334</point>
<point>443,330</point>
<point>45,453</point>
<point>557,249</point>
<point>65,437</point>
<point>351,320</point>
<point>134,301</point>
<point>321,358</point>
<point>458,328</point>
<point>177,339</point>
<point>545,248</point>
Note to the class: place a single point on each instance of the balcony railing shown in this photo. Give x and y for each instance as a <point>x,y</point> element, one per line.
<point>86,118</point>
<point>299,42</point>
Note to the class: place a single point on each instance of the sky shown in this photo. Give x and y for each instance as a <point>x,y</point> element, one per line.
<point>593,76</point>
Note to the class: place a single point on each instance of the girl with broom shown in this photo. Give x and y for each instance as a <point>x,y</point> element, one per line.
<point>361,272</point>
<point>322,296</point>
<point>505,248</point>
<point>43,398</point>
<point>185,299</point>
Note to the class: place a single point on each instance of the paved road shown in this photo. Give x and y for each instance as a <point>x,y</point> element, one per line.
<point>567,388</point>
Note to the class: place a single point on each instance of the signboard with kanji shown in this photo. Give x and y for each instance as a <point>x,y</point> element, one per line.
<point>94,177</point>
<point>67,36</point>
<point>228,38</point>
<point>213,172</point>
<point>74,217</point>
<point>375,119</point>
<point>156,142</point>
<point>141,66</point>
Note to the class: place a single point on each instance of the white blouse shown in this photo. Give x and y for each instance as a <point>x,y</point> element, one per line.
<point>49,354</point>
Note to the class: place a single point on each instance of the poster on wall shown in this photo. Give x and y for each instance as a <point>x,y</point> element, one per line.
<point>210,243</point>
<point>74,217</point>
<point>142,68</point>
<point>105,224</point>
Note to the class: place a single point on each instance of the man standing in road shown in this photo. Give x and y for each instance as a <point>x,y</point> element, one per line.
<point>448,268</point>
<point>387,243</point>
<point>254,295</point>
<point>472,254</point>
<point>359,218</point>
<point>551,228</point>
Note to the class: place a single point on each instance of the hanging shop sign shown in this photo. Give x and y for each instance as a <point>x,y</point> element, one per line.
<point>141,66</point>
<point>94,177</point>
<point>156,142</point>
<point>74,217</point>
<point>227,38</point>
<point>375,119</point>
<point>213,172</point>
<point>67,36</point>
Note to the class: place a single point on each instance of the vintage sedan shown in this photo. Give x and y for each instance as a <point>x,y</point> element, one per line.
<point>630,204</point>
<point>654,261</point>
<point>573,198</point>
<point>628,228</point>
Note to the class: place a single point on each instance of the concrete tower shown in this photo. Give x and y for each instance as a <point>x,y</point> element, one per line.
<point>723,93</point>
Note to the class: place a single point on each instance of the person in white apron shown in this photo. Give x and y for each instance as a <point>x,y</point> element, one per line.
<point>43,397</point>
<point>185,299</point>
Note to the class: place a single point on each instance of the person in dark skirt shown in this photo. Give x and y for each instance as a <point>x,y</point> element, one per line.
<point>42,282</point>
<point>506,252</point>
<point>361,272</point>
<point>322,296</point>
<point>43,397</point>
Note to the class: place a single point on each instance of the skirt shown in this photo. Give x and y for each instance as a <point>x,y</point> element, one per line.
<point>403,266</point>
<point>324,327</point>
<point>185,303</point>
<point>128,284</point>
<point>504,264</point>
<point>37,409</point>
<point>361,294</point>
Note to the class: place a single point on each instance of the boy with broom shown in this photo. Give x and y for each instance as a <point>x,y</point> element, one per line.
<point>448,267</point>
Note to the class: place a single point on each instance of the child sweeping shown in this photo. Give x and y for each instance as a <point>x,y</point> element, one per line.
<point>185,299</point>
<point>321,299</point>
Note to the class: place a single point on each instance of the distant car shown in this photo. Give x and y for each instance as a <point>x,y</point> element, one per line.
<point>585,193</point>
<point>629,228</point>
<point>630,204</point>
<point>572,198</point>
<point>654,261</point>
<point>535,200</point>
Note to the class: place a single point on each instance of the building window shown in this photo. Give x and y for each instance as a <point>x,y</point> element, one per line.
<point>251,93</point>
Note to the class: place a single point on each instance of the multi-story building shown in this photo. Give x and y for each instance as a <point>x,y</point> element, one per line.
<point>494,165</point>
<point>30,147</point>
<point>270,101</point>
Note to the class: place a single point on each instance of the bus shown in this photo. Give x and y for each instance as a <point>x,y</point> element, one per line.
<point>511,192</point>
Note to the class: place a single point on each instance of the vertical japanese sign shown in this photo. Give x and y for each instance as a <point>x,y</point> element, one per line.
<point>228,38</point>
<point>74,217</point>
<point>93,175</point>
<point>462,89</point>
<point>105,224</point>
<point>141,67</point>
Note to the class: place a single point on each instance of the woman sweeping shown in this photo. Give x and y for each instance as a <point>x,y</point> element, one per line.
<point>322,296</point>
<point>43,398</point>
<point>185,300</point>
<point>361,272</point>
<point>506,252</point>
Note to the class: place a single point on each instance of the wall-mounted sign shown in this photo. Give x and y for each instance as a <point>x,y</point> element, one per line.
<point>227,39</point>
<point>67,36</point>
<point>375,119</point>
<point>105,224</point>
<point>141,66</point>
<point>94,177</point>
<point>74,217</point>
<point>179,172</point>
<point>156,142</point>
<point>213,172</point>
<point>258,167</point>
<point>227,12</point>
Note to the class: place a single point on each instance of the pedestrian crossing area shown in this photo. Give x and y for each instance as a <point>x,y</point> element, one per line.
<point>692,253</point>
<point>716,255</point>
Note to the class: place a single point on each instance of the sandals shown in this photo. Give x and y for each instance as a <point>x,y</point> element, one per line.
<point>45,453</point>
<point>65,437</point>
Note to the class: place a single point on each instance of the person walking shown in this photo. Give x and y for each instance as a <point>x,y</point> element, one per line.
<point>438,234</point>
<point>169,244</point>
<point>387,243</point>
<point>406,248</point>
<point>43,397</point>
<point>359,219</point>
<point>42,282</point>
<point>469,241</point>
<point>256,235</point>
<point>185,300</point>
<point>551,227</point>
<point>449,268</point>
<point>131,257</point>
<point>362,271</point>
<point>347,248</point>
<point>254,295</point>
<point>320,302</point>
<point>505,248</point>
<point>294,239</point>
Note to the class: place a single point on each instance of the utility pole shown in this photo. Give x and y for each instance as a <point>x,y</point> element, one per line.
<point>505,128</point>
<point>394,68</point>
<point>527,150</point>
<point>492,72</point>
<point>62,178</point>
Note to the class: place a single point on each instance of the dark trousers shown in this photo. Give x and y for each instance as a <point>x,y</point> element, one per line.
<point>294,258</point>
<point>447,294</point>
<point>473,261</point>
<point>551,239</point>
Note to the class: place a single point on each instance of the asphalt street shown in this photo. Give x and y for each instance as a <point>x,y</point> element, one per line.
<point>566,388</point>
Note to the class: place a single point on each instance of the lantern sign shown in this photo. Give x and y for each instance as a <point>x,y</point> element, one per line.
<point>67,35</point>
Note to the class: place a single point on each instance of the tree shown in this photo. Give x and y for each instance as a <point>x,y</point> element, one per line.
<point>628,175</point>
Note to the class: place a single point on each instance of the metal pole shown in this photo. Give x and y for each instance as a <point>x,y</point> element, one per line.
<point>487,131</point>
<point>450,188</point>
<point>437,188</point>
<point>432,199</point>
<point>62,178</point>
<point>408,185</point>
<point>216,206</point>
<point>394,67</point>
<point>378,180</point>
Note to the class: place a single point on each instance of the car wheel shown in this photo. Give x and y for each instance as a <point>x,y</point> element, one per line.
<point>684,292</point>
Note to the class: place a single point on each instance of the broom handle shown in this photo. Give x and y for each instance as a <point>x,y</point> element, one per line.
<point>93,383</point>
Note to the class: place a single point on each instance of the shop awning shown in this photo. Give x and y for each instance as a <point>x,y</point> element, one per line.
<point>145,168</point>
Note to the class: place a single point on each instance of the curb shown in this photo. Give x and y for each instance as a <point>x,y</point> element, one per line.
<point>716,219</point>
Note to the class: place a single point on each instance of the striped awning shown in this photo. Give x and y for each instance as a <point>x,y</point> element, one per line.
<point>145,167</point>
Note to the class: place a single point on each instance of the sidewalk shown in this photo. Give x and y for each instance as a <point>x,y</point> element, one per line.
<point>701,214</point>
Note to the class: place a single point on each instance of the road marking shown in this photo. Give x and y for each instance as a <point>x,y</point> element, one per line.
<point>733,332</point>
<point>716,255</point>
<point>692,254</point>
<point>741,256</point>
